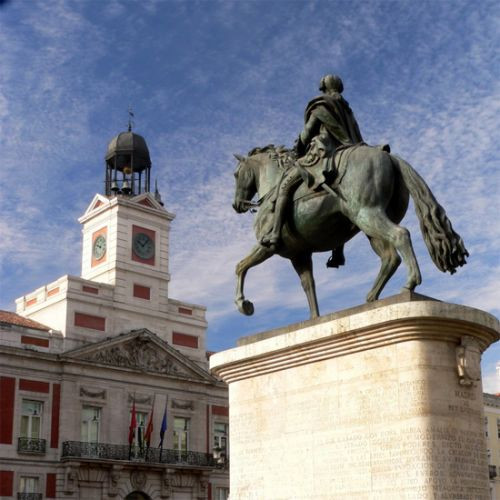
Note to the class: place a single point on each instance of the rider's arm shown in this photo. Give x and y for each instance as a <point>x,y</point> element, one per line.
<point>311,128</point>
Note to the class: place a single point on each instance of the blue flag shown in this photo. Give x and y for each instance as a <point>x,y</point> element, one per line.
<point>163,427</point>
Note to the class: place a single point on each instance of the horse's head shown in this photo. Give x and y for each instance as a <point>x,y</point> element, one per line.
<point>246,185</point>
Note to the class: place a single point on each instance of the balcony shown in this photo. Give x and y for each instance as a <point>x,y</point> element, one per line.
<point>103,451</point>
<point>29,496</point>
<point>493,471</point>
<point>32,446</point>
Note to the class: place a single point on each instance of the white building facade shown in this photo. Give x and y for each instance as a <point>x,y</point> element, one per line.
<point>84,353</point>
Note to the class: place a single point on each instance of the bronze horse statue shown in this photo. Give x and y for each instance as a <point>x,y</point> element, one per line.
<point>371,194</point>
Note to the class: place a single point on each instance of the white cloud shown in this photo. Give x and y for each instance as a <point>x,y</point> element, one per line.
<point>491,382</point>
<point>209,82</point>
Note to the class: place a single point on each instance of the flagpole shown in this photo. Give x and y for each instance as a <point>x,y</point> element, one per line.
<point>131,430</point>
<point>163,427</point>
<point>149,429</point>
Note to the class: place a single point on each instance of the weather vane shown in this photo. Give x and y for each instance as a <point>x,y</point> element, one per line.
<point>130,116</point>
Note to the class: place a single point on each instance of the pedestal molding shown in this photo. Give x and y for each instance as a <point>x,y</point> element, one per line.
<point>350,335</point>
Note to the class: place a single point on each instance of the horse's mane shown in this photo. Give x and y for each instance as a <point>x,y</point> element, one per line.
<point>270,148</point>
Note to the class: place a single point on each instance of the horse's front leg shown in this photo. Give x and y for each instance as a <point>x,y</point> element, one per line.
<point>303,265</point>
<point>256,256</point>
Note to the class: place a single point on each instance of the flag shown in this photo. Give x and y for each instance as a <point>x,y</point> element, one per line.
<point>163,426</point>
<point>133,425</point>
<point>149,428</point>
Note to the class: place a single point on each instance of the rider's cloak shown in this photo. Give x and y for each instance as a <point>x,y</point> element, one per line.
<point>335,114</point>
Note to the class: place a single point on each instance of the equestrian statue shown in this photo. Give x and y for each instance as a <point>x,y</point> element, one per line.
<point>331,185</point>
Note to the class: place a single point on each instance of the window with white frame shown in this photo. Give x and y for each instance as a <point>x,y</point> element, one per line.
<point>221,493</point>
<point>486,426</point>
<point>220,436</point>
<point>28,484</point>
<point>91,418</point>
<point>141,419</point>
<point>181,433</point>
<point>31,419</point>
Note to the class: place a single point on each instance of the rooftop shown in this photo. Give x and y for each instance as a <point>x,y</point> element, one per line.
<point>11,318</point>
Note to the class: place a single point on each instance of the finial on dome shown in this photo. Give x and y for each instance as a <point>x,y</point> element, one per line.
<point>130,116</point>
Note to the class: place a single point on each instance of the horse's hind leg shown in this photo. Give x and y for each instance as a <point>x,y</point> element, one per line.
<point>256,256</point>
<point>303,265</point>
<point>375,223</point>
<point>390,261</point>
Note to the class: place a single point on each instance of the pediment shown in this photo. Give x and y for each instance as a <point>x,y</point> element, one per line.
<point>148,200</point>
<point>142,351</point>
<point>98,201</point>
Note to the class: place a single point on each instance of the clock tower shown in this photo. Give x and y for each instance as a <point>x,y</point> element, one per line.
<point>125,264</point>
<point>126,230</point>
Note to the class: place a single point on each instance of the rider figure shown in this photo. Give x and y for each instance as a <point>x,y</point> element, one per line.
<point>328,119</point>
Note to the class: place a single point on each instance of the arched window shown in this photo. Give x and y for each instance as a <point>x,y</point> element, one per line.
<point>137,495</point>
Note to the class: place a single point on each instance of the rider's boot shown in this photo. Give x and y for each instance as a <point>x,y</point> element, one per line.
<point>272,238</point>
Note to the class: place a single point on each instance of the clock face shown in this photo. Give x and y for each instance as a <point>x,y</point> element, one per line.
<point>143,246</point>
<point>99,248</point>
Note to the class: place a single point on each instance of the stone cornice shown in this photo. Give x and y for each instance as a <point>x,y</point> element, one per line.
<point>391,324</point>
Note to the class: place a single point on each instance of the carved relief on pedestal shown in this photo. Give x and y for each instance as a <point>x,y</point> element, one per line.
<point>469,361</point>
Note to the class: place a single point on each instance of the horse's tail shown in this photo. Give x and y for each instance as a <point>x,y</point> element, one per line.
<point>445,246</point>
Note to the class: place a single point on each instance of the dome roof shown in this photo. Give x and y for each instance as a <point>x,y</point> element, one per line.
<point>126,144</point>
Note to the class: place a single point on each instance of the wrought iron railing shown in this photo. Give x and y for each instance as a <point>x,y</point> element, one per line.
<point>31,445</point>
<point>493,471</point>
<point>104,451</point>
<point>29,496</point>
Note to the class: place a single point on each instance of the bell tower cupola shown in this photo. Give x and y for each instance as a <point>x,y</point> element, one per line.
<point>128,165</point>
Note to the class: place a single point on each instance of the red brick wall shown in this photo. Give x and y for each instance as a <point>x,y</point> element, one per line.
<point>6,483</point>
<point>26,339</point>
<point>223,411</point>
<point>53,291</point>
<point>185,340</point>
<point>33,385</point>
<point>89,321</point>
<point>7,398</point>
<point>31,302</point>
<point>56,406</point>
<point>143,292</point>
<point>50,486</point>
<point>90,289</point>
<point>185,310</point>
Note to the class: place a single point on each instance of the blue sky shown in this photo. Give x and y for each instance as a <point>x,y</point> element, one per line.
<point>209,79</point>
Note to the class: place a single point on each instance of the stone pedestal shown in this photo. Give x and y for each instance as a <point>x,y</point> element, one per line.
<point>382,401</point>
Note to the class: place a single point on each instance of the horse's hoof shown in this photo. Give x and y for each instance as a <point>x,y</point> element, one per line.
<point>245,307</point>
